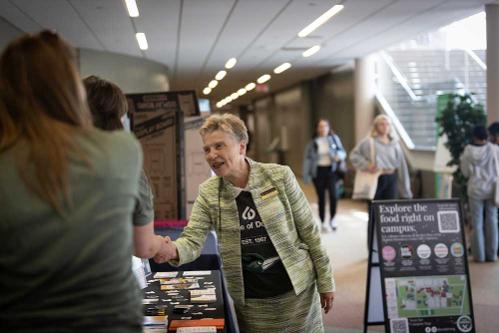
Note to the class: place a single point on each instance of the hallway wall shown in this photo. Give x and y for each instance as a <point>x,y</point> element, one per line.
<point>291,115</point>
<point>132,74</point>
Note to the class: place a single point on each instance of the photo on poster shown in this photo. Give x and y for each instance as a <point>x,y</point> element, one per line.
<point>428,296</point>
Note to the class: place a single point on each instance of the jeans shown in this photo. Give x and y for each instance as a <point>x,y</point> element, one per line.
<point>485,235</point>
<point>326,181</point>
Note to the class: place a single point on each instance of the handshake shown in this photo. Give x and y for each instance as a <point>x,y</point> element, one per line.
<point>167,250</point>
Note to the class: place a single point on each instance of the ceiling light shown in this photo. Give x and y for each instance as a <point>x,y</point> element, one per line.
<point>220,75</point>
<point>250,86</point>
<point>230,63</point>
<point>228,99</point>
<point>264,78</point>
<point>320,20</point>
<point>282,68</point>
<point>241,91</point>
<point>132,8</point>
<point>213,84</point>
<point>141,39</point>
<point>207,90</point>
<point>234,96</point>
<point>311,51</point>
<point>220,104</point>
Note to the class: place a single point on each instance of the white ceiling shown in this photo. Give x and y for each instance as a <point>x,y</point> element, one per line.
<point>194,38</point>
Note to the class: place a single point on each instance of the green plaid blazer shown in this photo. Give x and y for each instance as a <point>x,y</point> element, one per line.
<point>284,211</point>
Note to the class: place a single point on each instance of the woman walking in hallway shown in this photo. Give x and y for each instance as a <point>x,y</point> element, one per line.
<point>381,152</point>
<point>323,157</point>
<point>394,181</point>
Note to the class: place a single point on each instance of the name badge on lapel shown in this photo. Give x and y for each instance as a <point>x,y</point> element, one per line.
<point>267,194</point>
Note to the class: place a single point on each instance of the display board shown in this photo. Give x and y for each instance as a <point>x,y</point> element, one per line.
<point>197,169</point>
<point>423,265</point>
<point>156,120</point>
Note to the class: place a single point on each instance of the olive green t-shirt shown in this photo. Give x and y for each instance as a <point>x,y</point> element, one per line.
<point>72,273</point>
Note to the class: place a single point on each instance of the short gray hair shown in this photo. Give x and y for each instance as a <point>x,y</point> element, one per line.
<point>227,123</point>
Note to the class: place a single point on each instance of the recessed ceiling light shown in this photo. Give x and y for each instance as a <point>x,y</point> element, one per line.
<point>220,104</point>
<point>264,78</point>
<point>250,86</point>
<point>311,51</point>
<point>230,63</point>
<point>282,68</point>
<point>132,8</point>
<point>241,91</point>
<point>320,20</point>
<point>234,96</point>
<point>207,90</point>
<point>142,40</point>
<point>228,99</point>
<point>213,84</point>
<point>220,75</point>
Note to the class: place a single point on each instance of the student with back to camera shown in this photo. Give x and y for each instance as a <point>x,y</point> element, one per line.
<point>68,192</point>
<point>493,130</point>
<point>108,105</point>
<point>478,164</point>
<point>323,156</point>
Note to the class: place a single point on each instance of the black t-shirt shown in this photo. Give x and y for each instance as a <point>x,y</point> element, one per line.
<point>263,272</point>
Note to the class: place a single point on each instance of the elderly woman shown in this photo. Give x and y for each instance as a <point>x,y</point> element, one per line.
<point>278,274</point>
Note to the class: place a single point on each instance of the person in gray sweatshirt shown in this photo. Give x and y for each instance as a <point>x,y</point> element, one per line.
<point>478,164</point>
<point>388,158</point>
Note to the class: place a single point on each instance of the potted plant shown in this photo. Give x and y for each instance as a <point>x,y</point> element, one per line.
<point>457,120</point>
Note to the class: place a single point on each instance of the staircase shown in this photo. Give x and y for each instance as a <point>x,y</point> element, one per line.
<point>411,80</point>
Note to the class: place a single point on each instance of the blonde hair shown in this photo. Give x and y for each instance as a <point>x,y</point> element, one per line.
<point>227,123</point>
<point>377,120</point>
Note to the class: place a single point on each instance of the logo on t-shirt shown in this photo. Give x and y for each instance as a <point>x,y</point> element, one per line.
<point>248,214</point>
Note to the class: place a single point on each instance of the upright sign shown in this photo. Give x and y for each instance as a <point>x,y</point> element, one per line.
<point>156,120</point>
<point>424,269</point>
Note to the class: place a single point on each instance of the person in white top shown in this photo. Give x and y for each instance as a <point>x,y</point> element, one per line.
<point>478,164</point>
<point>323,156</point>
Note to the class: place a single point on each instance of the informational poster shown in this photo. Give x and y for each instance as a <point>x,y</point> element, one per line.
<point>197,169</point>
<point>156,122</point>
<point>424,269</point>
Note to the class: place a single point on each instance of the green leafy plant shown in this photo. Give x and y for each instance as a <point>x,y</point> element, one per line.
<point>457,120</point>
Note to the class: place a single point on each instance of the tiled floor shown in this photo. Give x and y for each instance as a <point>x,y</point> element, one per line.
<point>348,252</point>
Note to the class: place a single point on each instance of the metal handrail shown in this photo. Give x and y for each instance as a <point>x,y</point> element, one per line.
<point>399,76</point>
<point>477,59</point>
<point>387,109</point>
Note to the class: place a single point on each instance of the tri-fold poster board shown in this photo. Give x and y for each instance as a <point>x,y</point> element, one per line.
<point>418,277</point>
<point>157,119</point>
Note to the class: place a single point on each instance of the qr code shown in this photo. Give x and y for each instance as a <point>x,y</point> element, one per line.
<point>399,325</point>
<point>448,221</point>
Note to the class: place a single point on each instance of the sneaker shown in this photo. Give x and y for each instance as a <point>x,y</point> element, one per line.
<point>325,228</point>
<point>334,223</point>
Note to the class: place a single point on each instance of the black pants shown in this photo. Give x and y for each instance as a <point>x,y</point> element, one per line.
<point>387,189</point>
<point>326,181</point>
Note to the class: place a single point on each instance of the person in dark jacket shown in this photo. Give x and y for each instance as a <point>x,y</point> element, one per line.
<point>323,156</point>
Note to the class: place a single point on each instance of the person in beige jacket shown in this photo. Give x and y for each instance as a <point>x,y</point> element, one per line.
<point>277,271</point>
